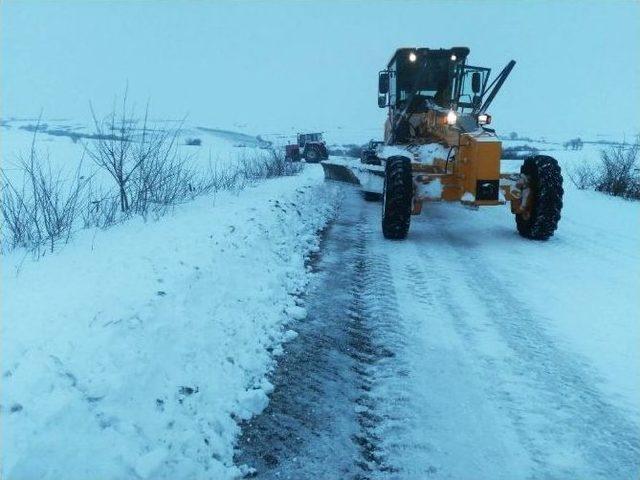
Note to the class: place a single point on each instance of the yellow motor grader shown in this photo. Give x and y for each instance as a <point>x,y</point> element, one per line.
<point>438,145</point>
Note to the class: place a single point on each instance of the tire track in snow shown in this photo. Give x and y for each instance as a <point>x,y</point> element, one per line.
<point>452,432</point>
<point>418,361</point>
<point>326,415</point>
<point>568,427</point>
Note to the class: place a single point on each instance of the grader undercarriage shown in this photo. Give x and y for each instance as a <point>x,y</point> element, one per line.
<point>438,146</point>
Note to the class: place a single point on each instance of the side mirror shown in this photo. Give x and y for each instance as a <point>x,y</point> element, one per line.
<point>382,101</point>
<point>475,82</point>
<point>383,82</point>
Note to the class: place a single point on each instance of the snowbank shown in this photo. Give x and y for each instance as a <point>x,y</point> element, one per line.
<point>130,353</point>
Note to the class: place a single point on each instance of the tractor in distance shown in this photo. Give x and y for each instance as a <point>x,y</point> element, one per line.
<point>368,154</point>
<point>310,146</point>
<point>438,145</point>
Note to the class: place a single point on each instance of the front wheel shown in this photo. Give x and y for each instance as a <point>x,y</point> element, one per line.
<point>396,198</point>
<point>543,198</point>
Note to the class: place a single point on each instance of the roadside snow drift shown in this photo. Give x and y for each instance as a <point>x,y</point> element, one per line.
<point>131,352</point>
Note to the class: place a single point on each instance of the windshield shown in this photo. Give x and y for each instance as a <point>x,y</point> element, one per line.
<point>310,137</point>
<point>435,82</point>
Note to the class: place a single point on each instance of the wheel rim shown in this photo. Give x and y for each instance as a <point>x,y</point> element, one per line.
<point>528,200</point>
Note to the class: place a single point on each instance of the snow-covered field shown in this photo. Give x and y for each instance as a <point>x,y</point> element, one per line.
<point>55,141</point>
<point>134,352</point>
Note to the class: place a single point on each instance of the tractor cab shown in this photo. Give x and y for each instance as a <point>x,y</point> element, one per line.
<point>304,138</point>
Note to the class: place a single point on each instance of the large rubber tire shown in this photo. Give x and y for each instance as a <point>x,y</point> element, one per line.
<point>312,155</point>
<point>396,198</point>
<point>545,181</point>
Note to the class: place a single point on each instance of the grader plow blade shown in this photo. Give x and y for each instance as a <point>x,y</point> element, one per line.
<point>339,172</point>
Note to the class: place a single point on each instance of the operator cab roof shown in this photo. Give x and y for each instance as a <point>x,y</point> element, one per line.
<point>460,52</point>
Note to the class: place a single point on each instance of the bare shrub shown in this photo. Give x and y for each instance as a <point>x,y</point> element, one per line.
<point>150,176</point>
<point>101,209</point>
<point>617,173</point>
<point>133,154</point>
<point>196,142</point>
<point>582,176</point>
<point>163,181</point>
<point>266,165</point>
<point>43,207</point>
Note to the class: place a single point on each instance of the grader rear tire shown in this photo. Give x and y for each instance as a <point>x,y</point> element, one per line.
<point>545,181</point>
<point>396,198</point>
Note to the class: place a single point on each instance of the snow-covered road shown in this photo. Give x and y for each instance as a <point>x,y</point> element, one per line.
<point>464,352</point>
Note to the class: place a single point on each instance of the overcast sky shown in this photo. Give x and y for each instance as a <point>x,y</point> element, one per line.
<point>279,64</point>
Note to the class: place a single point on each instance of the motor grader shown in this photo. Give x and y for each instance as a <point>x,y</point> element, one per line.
<point>438,146</point>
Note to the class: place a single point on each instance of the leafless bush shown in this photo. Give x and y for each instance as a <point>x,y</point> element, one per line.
<point>42,209</point>
<point>134,154</point>
<point>617,173</point>
<point>101,209</point>
<point>150,176</point>
<point>163,181</point>
<point>267,165</point>
<point>582,176</point>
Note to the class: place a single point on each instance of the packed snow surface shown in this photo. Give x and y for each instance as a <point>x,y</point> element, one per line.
<point>464,351</point>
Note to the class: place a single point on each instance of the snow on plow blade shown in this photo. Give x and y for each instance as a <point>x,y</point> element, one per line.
<point>339,172</point>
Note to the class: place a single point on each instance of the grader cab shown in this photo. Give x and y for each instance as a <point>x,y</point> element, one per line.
<point>438,145</point>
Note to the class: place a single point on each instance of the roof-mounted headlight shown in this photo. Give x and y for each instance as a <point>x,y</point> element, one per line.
<point>413,57</point>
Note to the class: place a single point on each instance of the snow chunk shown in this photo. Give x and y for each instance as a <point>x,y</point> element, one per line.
<point>297,313</point>
<point>429,152</point>
<point>289,335</point>
<point>426,153</point>
<point>252,402</point>
<point>433,189</point>
<point>150,462</point>
<point>468,197</point>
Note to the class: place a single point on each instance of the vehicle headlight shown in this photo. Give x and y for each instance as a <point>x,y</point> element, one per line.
<point>412,57</point>
<point>484,119</point>
<point>452,117</point>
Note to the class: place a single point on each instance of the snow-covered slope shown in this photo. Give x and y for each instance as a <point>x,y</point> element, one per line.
<point>129,353</point>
